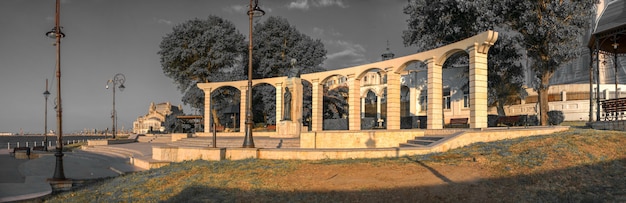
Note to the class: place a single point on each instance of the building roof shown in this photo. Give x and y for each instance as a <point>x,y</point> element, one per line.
<point>611,28</point>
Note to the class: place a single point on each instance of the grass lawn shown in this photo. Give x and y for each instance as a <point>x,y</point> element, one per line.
<point>572,166</point>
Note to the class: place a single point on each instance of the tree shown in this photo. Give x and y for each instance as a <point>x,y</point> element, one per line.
<point>201,51</point>
<point>549,29</point>
<point>438,23</point>
<point>335,102</point>
<point>275,43</point>
<point>505,74</point>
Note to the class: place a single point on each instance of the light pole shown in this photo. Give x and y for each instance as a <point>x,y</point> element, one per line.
<point>255,11</point>
<point>57,34</point>
<point>118,80</point>
<point>46,94</point>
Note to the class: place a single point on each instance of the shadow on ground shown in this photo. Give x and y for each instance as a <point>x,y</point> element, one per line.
<point>604,182</point>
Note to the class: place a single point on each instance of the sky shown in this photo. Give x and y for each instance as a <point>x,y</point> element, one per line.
<point>106,37</point>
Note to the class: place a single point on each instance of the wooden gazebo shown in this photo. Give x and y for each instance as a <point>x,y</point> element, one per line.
<point>608,39</point>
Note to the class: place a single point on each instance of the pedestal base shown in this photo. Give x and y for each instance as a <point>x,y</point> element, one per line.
<point>288,129</point>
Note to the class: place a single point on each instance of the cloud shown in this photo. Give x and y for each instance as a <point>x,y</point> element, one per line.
<point>346,54</point>
<point>322,32</point>
<point>163,21</point>
<point>306,4</point>
<point>238,9</point>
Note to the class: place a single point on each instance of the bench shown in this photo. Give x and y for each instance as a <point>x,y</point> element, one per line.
<point>219,128</point>
<point>39,148</point>
<point>509,120</point>
<point>613,108</point>
<point>19,149</point>
<point>460,122</point>
<point>271,127</point>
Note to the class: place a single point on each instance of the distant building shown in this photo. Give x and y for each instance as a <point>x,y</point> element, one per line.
<point>153,121</point>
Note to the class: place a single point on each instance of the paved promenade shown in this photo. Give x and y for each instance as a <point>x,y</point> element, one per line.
<point>22,179</point>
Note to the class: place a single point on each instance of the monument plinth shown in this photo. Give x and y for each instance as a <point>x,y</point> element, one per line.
<point>290,124</point>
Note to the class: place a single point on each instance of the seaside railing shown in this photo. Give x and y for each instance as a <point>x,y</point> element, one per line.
<point>11,145</point>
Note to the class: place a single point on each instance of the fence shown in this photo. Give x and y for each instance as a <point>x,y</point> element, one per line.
<point>11,145</point>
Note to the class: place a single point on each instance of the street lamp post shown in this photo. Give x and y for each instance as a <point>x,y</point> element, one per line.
<point>46,94</point>
<point>57,34</point>
<point>118,80</point>
<point>248,140</point>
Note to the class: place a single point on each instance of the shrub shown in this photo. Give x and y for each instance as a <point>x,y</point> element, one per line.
<point>555,117</point>
<point>492,120</point>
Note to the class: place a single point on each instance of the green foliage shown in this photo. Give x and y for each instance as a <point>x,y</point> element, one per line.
<point>335,104</point>
<point>548,30</point>
<point>435,24</point>
<point>276,42</point>
<point>200,51</point>
<point>555,117</point>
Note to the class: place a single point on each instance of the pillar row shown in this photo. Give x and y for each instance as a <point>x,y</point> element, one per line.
<point>279,102</point>
<point>478,87</point>
<point>317,106</point>
<point>242,108</point>
<point>435,95</point>
<point>208,120</point>
<point>393,100</point>
<point>354,103</point>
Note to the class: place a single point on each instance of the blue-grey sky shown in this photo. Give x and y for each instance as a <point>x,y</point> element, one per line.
<point>105,37</point>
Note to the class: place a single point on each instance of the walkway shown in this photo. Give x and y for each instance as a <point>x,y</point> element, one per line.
<point>27,179</point>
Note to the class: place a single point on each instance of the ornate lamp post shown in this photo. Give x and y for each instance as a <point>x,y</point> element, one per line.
<point>46,94</point>
<point>255,11</point>
<point>57,34</point>
<point>118,80</point>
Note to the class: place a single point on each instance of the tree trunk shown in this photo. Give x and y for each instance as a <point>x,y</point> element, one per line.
<point>500,108</point>
<point>543,97</point>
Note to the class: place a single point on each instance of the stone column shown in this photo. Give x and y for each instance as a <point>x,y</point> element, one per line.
<point>412,101</point>
<point>478,87</point>
<point>317,105</point>
<point>378,108</point>
<point>393,100</point>
<point>354,107</point>
<point>363,106</point>
<point>242,108</point>
<point>435,95</point>
<point>279,102</point>
<point>207,110</point>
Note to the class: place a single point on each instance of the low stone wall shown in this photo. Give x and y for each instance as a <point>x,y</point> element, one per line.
<point>608,125</point>
<point>494,134</point>
<point>180,136</point>
<point>176,154</point>
<point>357,139</point>
<point>108,142</point>
<point>462,138</point>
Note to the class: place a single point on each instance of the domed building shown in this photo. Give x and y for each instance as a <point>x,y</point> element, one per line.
<point>153,121</point>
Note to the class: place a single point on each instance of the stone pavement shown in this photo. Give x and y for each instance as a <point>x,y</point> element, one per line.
<point>27,179</point>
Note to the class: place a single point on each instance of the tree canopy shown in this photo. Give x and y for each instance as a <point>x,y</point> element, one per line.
<point>276,42</point>
<point>212,50</point>
<point>548,30</point>
<point>201,50</point>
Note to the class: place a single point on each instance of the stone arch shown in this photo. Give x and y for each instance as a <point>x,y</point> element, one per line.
<point>476,46</point>
<point>224,94</point>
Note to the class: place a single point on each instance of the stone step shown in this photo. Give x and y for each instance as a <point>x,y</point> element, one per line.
<point>261,142</point>
<point>425,141</point>
<point>115,150</point>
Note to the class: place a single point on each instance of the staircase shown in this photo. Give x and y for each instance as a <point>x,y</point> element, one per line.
<point>120,159</point>
<point>231,142</point>
<point>430,140</point>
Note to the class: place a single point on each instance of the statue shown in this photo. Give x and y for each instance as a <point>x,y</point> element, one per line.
<point>294,71</point>
<point>287,104</point>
